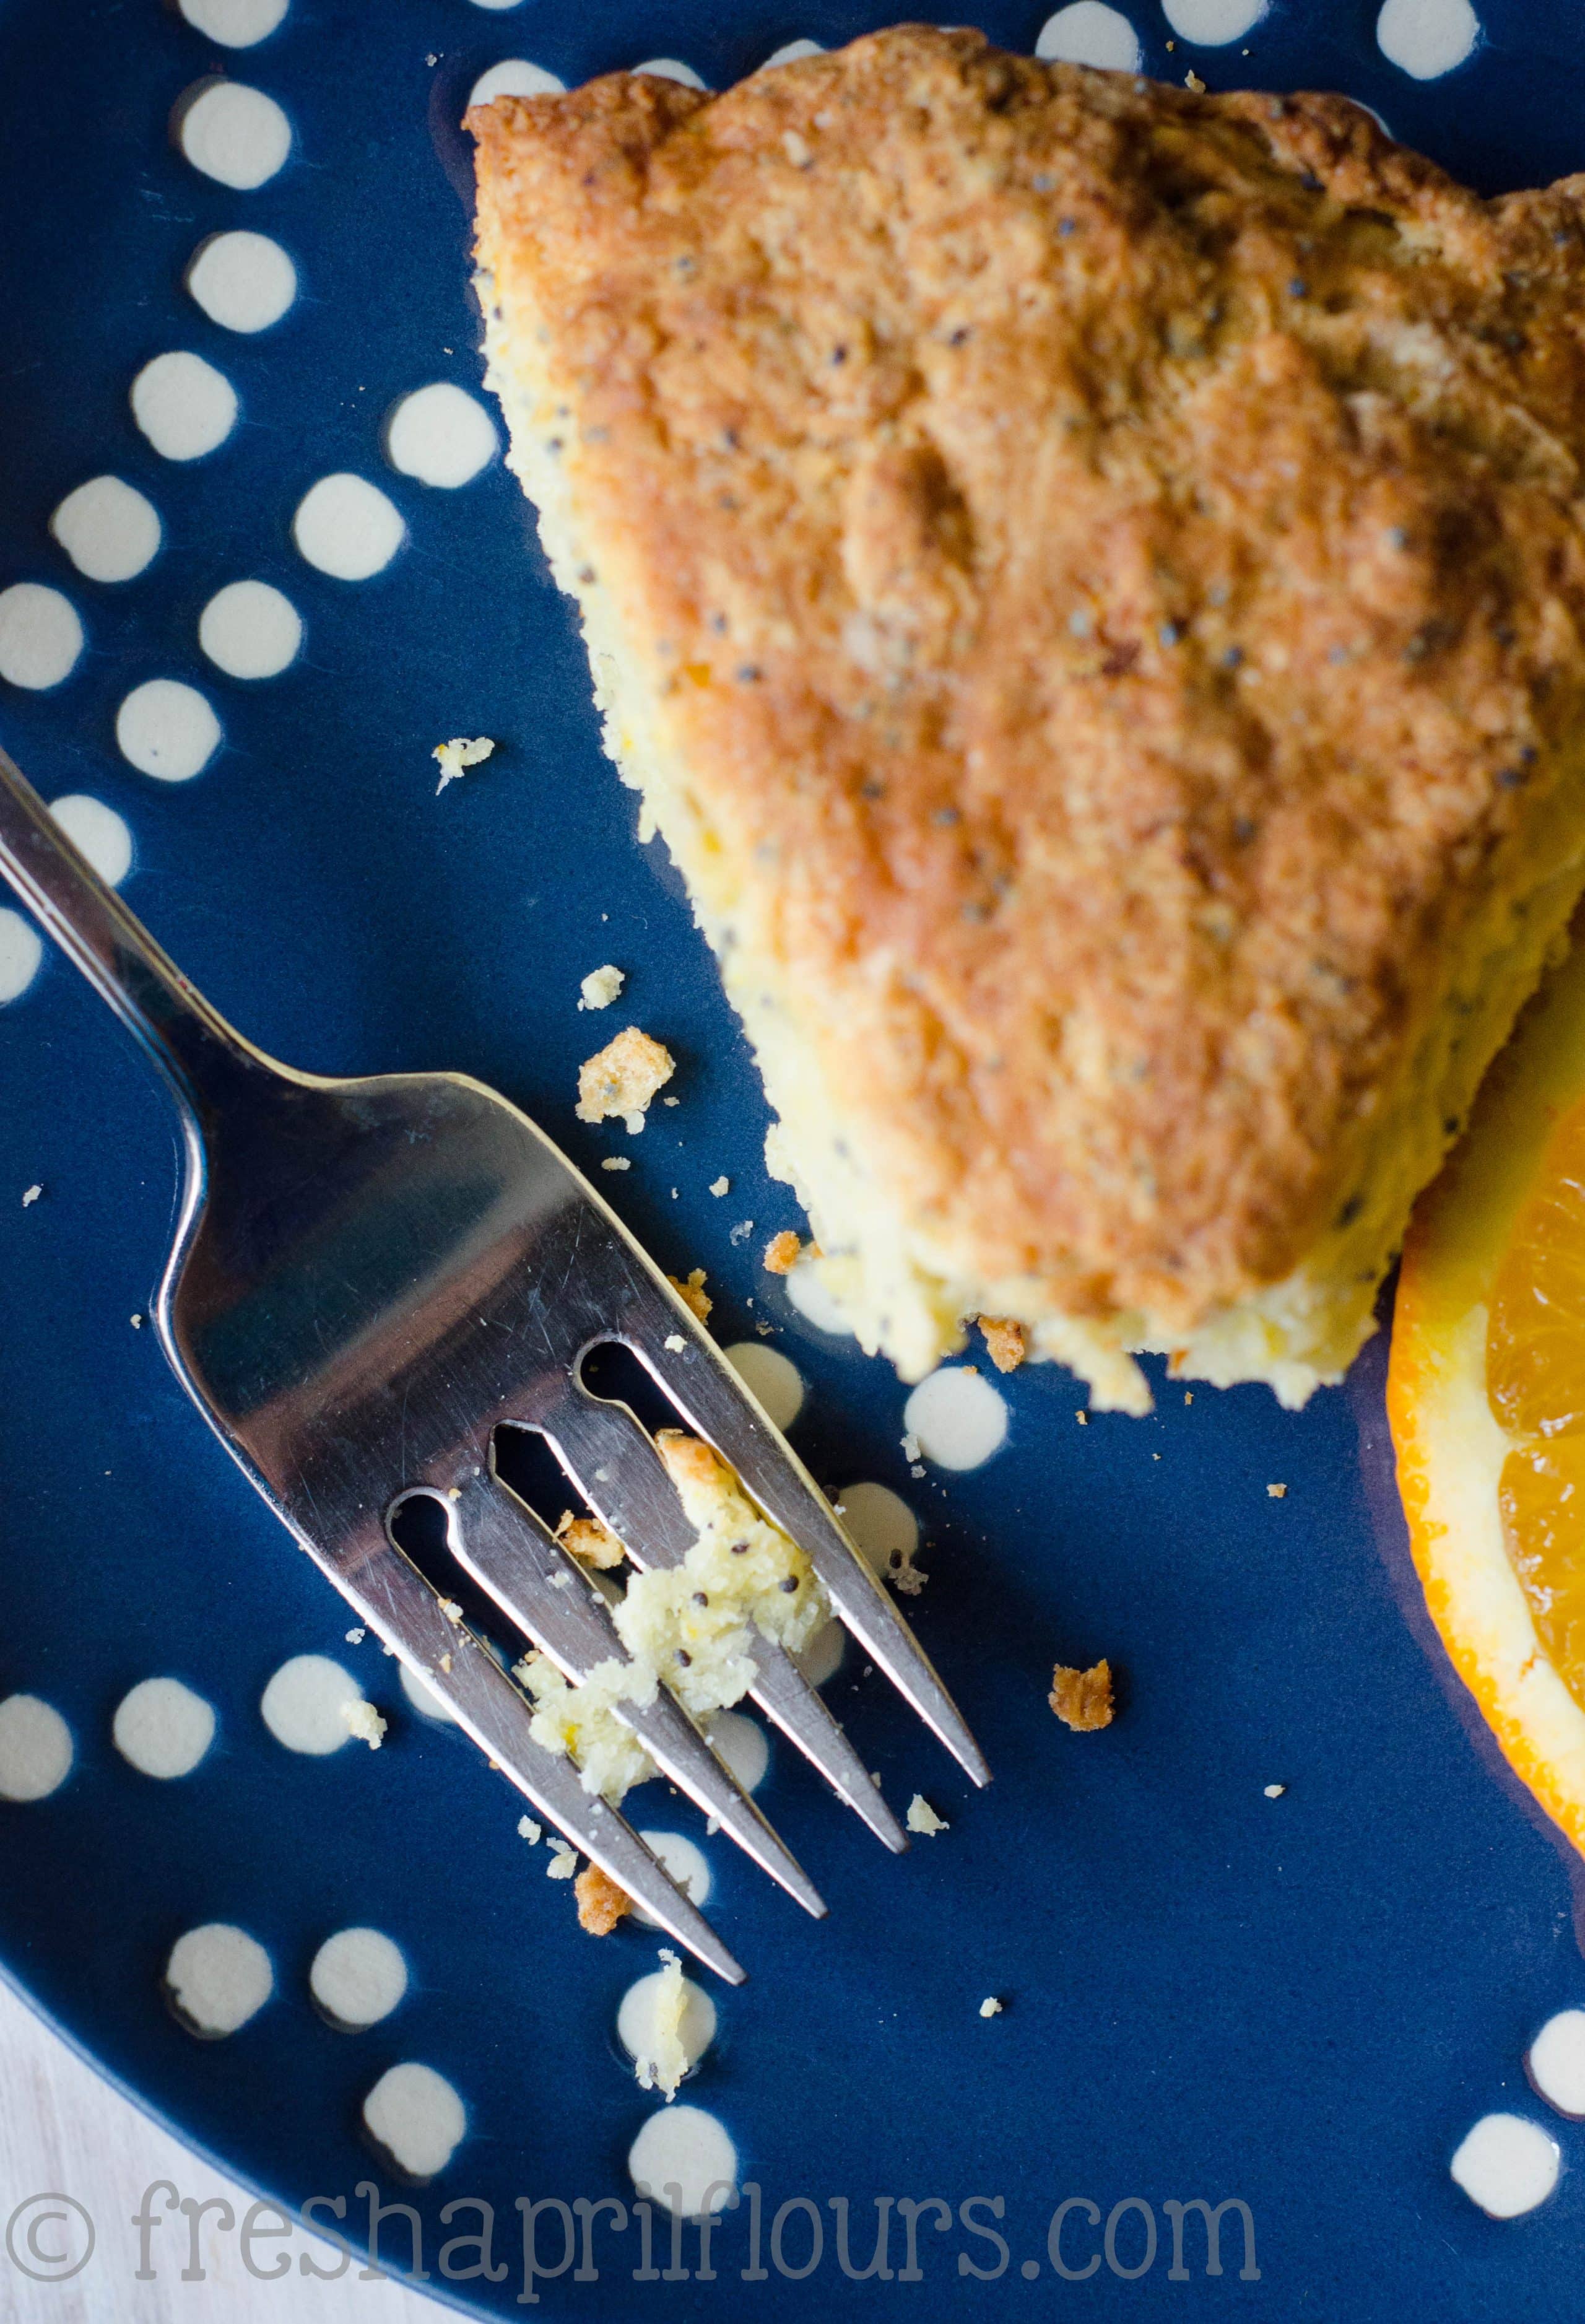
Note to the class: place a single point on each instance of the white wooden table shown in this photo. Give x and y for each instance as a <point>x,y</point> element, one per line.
<point>62,2131</point>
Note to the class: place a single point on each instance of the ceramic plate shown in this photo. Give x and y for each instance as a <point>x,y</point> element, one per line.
<point>1296,2004</point>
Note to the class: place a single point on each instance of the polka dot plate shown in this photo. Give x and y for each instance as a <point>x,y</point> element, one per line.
<point>1276,1941</point>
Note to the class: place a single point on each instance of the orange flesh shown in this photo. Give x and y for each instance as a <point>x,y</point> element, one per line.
<point>1535,1382</point>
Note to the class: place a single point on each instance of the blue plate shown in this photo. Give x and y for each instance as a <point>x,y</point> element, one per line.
<point>1296,2004</point>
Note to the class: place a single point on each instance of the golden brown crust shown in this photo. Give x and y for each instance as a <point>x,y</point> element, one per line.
<point>1112,560</point>
<point>693,1293</point>
<point>601,1903</point>
<point>1082,1699</point>
<point>1004,1341</point>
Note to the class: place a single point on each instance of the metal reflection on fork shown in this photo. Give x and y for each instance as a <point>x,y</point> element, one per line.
<point>368,1278</point>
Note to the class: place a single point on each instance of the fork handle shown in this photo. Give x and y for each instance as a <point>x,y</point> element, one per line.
<point>191,1043</point>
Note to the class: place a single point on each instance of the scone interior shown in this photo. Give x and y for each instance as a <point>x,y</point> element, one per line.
<point>1087,579</point>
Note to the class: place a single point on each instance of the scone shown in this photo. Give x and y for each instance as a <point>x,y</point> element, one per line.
<point>1089,579</point>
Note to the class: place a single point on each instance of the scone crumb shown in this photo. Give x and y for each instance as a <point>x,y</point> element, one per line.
<point>31,1195</point>
<point>451,1611</point>
<point>601,987</point>
<point>922,1817</point>
<point>693,1293</point>
<point>622,1077</point>
<point>1277,1492</point>
<point>590,1541</point>
<point>719,1186</point>
<point>455,757</point>
<point>1082,1699</point>
<point>601,1903</point>
<point>782,1252</point>
<point>564,1861</point>
<point>529,1831</point>
<point>990,2006</point>
<point>1274,1791</point>
<point>1082,1418</point>
<point>676,1343</point>
<point>1004,1341</point>
<point>616,1162</point>
<point>365,1721</point>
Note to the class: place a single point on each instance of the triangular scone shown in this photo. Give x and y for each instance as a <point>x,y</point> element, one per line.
<point>1089,578</point>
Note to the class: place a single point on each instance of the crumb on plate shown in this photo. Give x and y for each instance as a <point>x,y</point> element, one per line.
<point>1274,1791</point>
<point>782,1252</point>
<point>364,1723</point>
<point>1082,1699</point>
<point>922,1817</point>
<point>564,1861</point>
<point>1277,1492</point>
<point>990,2006</point>
<point>722,1185</point>
<point>623,1078</point>
<point>693,1293</point>
<point>601,987</point>
<point>453,757</point>
<point>31,1195</point>
<point>529,1831</point>
<point>1004,1341</point>
<point>601,1903</point>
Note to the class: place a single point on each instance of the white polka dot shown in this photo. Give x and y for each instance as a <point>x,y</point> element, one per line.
<point>636,2018</point>
<point>163,1729</point>
<point>958,1417</point>
<point>515,77</point>
<point>793,53</point>
<point>234,134</point>
<point>805,1288</point>
<point>184,406</point>
<point>767,1374</point>
<point>347,528</point>
<point>424,1699</point>
<point>686,1862</point>
<point>440,435</point>
<point>35,1748</point>
<point>1507,2164</point>
<point>1210,24</point>
<point>882,1523</point>
<point>242,281</point>
<point>41,635</point>
<point>684,2159</point>
<point>305,1703</point>
<point>1089,33</point>
<point>249,630</point>
<point>671,69</point>
<point>416,2115</point>
<point>22,953</point>
<point>1556,2062</point>
<point>217,1978</point>
<point>1427,38</point>
<point>741,1745</point>
<point>234,24</point>
<point>109,531</point>
<point>98,831</point>
<point>357,1977</point>
<point>167,730</point>
<point>822,1658</point>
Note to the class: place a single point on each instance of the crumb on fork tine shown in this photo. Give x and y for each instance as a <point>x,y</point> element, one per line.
<point>693,1293</point>
<point>601,1903</point>
<point>590,1541</point>
<point>1082,1699</point>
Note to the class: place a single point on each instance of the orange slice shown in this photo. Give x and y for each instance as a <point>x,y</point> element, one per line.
<point>1485,1395</point>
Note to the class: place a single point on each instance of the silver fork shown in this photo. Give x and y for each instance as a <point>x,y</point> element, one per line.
<point>368,1278</point>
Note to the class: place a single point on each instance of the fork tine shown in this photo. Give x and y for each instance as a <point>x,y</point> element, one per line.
<point>501,1542</point>
<point>607,1452</point>
<point>705,1389</point>
<point>393,1598</point>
